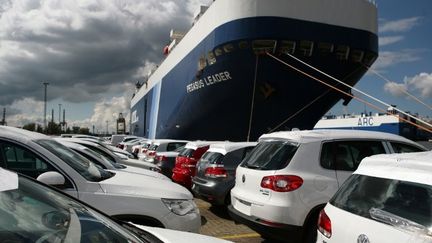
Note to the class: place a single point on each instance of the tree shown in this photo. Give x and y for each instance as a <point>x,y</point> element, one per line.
<point>84,130</point>
<point>30,127</point>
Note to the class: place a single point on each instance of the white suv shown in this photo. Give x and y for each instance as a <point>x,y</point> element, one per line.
<point>289,176</point>
<point>139,199</point>
<point>387,199</point>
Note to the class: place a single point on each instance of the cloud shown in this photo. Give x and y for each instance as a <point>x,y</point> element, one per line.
<point>83,48</point>
<point>106,110</point>
<point>24,111</point>
<point>388,40</point>
<point>421,83</point>
<point>395,89</point>
<point>401,25</point>
<point>389,58</point>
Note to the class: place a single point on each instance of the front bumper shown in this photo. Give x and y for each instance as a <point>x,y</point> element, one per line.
<point>190,222</point>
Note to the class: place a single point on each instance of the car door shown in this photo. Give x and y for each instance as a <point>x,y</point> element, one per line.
<point>346,155</point>
<point>23,160</point>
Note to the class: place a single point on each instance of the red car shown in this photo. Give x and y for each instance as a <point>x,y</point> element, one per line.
<point>185,164</point>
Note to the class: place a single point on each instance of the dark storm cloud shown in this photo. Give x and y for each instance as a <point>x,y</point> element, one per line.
<point>82,48</point>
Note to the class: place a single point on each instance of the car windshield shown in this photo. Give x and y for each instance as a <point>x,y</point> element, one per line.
<point>381,199</point>
<point>83,166</point>
<point>270,155</point>
<point>30,212</point>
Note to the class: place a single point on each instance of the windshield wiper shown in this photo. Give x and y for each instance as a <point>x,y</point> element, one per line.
<point>399,222</point>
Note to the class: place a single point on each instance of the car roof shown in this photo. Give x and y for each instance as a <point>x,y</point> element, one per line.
<point>226,147</point>
<point>20,134</point>
<point>71,144</point>
<point>160,141</point>
<point>414,167</point>
<point>307,136</point>
<point>198,144</point>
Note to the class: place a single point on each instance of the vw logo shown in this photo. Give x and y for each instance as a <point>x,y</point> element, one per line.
<point>243,178</point>
<point>362,239</point>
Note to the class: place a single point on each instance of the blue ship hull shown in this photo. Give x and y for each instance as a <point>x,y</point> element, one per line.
<point>216,103</point>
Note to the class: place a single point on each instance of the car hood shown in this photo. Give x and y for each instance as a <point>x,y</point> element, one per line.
<point>146,172</point>
<point>175,236</point>
<point>140,185</point>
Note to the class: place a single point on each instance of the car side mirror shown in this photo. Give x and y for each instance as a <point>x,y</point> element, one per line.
<point>52,178</point>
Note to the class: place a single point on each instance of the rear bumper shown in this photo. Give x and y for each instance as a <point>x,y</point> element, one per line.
<point>214,192</point>
<point>282,232</point>
<point>182,177</point>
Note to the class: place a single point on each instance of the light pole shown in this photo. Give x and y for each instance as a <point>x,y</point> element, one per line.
<point>60,123</point>
<point>107,127</point>
<point>45,104</point>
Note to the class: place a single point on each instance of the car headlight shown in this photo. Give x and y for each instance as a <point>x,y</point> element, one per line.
<point>180,206</point>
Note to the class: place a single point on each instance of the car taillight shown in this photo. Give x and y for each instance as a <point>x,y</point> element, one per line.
<point>152,153</point>
<point>143,151</point>
<point>324,224</point>
<point>282,183</point>
<point>120,146</point>
<point>189,163</point>
<point>135,150</point>
<point>217,171</point>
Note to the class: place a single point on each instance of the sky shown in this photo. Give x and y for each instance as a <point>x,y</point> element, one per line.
<point>92,52</point>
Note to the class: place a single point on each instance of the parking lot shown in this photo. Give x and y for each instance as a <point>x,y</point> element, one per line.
<point>216,222</point>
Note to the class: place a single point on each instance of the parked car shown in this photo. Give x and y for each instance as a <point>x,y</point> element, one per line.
<point>186,160</point>
<point>116,139</point>
<point>140,149</point>
<point>162,145</point>
<point>33,212</point>
<point>215,175</point>
<point>165,161</point>
<point>289,177</point>
<point>127,146</point>
<point>114,157</point>
<point>149,201</point>
<point>105,163</point>
<point>387,199</point>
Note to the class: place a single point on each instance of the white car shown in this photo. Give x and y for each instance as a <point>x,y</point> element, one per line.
<point>161,145</point>
<point>33,212</point>
<point>130,197</point>
<point>105,163</point>
<point>114,157</point>
<point>388,199</point>
<point>288,177</point>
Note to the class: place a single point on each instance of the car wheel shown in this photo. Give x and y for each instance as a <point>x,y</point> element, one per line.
<point>310,234</point>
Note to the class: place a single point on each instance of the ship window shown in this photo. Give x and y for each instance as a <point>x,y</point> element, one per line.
<point>211,59</point>
<point>202,62</point>
<point>228,48</point>
<point>287,47</point>
<point>243,45</point>
<point>306,48</point>
<point>356,55</point>
<point>218,52</point>
<point>342,52</point>
<point>263,46</point>
<point>325,48</point>
<point>369,58</point>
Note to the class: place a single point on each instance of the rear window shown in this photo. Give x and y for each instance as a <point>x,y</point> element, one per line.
<point>153,147</point>
<point>362,195</point>
<point>270,155</point>
<point>212,158</point>
<point>186,152</point>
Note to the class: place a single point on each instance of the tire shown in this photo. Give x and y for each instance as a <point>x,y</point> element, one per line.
<point>310,233</point>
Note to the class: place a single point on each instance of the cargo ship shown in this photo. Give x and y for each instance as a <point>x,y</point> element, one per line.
<point>219,80</point>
